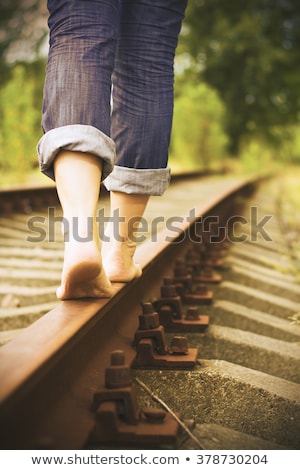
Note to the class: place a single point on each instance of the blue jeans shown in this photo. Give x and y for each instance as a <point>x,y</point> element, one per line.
<point>109,88</point>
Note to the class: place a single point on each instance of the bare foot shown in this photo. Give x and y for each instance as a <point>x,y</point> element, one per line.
<point>118,262</point>
<point>83,274</point>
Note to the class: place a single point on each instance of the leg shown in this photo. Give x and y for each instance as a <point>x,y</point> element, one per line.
<point>76,149</point>
<point>121,240</point>
<point>142,116</point>
<point>78,183</point>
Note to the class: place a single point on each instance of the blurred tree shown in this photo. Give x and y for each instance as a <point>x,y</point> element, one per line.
<point>198,137</point>
<point>250,52</point>
<point>23,35</point>
<point>20,128</point>
<point>23,32</point>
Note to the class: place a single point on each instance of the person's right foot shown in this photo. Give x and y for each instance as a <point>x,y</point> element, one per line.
<point>119,263</point>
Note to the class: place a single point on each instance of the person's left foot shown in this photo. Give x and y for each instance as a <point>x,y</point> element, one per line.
<point>83,274</point>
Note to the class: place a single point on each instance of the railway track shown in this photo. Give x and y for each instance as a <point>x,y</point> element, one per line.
<point>204,336</point>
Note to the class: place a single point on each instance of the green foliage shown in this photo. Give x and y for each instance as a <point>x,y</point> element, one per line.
<point>258,156</point>
<point>20,112</point>
<point>23,31</point>
<point>237,84</point>
<point>289,150</point>
<point>249,51</point>
<point>198,139</point>
<point>289,217</point>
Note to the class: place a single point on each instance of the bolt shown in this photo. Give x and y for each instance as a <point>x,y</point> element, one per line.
<point>168,291</point>
<point>149,318</point>
<point>167,310</point>
<point>201,289</point>
<point>179,286</point>
<point>192,313</point>
<point>117,358</point>
<point>117,375</point>
<point>170,297</point>
<point>180,271</point>
<point>178,345</point>
<point>207,271</point>
<point>192,258</point>
<point>168,281</point>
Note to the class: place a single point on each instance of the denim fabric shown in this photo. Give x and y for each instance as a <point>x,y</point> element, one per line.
<point>76,137</point>
<point>110,67</point>
<point>135,181</point>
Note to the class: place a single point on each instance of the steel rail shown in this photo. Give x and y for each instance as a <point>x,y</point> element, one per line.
<point>49,372</point>
<point>26,198</point>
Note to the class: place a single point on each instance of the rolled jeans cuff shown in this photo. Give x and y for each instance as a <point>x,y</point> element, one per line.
<point>78,138</point>
<point>138,181</point>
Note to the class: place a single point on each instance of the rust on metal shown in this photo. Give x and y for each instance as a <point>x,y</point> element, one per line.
<point>189,291</point>
<point>118,417</point>
<point>151,345</point>
<point>201,267</point>
<point>171,311</point>
<point>207,274</point>
<point>169,297</point>
<point>149,327</point>
<point>147,357</point>
<point>66,349</point>
<point>200,295</point>
<point>194,322</point>
<point>178,345</point>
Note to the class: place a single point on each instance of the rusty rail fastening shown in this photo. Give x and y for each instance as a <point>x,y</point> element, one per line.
<point>118,416</point>
<point>151,345</point>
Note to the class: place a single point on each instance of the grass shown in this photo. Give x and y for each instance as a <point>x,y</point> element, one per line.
<point>10,180</point>
<point>289,212</point>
